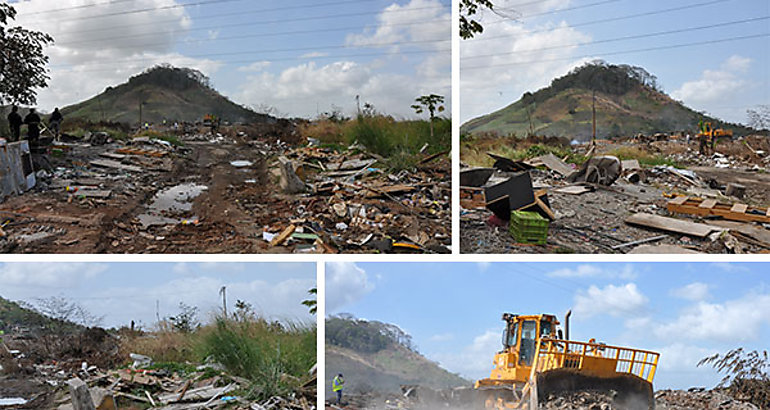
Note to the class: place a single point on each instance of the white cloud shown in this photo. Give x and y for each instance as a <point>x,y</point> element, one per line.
<point>419,21</point>
<point>736,320</point>
<point>729,267</point>
<point>48,275</point>
<point>473,361</point>
<point>483,266</point>
<point>594,271</point>
<point>716,86</point>
<point>497,67</point>
<point>695,291</point>
<point>314,54</point>
<point>346,283</point>
<point>625,300</point>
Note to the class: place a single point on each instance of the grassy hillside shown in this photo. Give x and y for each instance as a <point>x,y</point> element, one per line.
<point>12,315</point>
<point>168,93</point>
<point>372,356</point>
<point>628,102</point>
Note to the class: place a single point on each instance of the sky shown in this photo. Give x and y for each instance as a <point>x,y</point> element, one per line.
<point>295,58</point>
<point>684,311</point>
<point>122,292</point>
<point>526,44</point>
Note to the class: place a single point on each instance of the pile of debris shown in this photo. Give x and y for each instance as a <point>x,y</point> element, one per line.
<point>28,381</point>
<point>611,206</point>
<point>698,399</point>
<point>240,189</point>
<point>347,203</point>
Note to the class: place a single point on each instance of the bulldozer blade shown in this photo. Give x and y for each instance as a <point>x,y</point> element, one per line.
<point>630,392</point>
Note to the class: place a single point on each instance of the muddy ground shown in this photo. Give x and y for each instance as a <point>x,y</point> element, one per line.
<point>594,222</point>
<point>192,199</point>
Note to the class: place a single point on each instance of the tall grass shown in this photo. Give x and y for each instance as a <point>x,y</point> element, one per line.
<point>398,140</point>
<point>273,356</point>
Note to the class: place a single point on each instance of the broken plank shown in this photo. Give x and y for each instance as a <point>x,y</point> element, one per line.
<point>555,164</point>
<point>663,223</point>
<point>112,155</point>
<point>739,208</point>
<point>390,189</point>
<point>680,200</point>
<point>708,204</point>
<point>660,249</point>
<point>283,236</point>
<point>573,190</point>
<point>630,164</point>
<point>107,163</point>
<point>640,241</point>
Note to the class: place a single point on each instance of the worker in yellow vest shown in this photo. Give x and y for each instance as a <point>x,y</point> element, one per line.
<point>337,384</point>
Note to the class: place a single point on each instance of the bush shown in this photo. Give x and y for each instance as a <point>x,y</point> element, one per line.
<point>746,375</point>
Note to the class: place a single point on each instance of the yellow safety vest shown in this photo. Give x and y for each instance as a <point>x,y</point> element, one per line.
<point>337,384</point>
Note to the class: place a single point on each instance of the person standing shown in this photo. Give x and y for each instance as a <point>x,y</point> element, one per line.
<point>15,121</point>
<point>33,126</point>
<point>55,122</point>
<point>337,384</point>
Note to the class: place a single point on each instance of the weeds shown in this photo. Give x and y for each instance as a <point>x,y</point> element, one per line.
<point>746,375</point>
<point>273,356</point>
<point>644,157</point>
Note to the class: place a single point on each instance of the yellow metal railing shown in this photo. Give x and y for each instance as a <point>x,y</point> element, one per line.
<point>556,354</point>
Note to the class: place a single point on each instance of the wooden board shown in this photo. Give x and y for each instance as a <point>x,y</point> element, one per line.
<point>679,200</point>
<point>660,249</point>
<point>663,223</point>
<point>710,207</point>
<point>107,163</point>
<point>630,164</point>
<point>555,164</point>
<point>573,190</point>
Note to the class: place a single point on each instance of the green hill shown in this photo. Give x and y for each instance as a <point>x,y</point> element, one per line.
<point>167,93</point>
<point>628,101</point>
<point>13,315</point>
<point>374,356</point>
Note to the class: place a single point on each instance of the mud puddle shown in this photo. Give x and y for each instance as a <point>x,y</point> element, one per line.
<point>170,204</point>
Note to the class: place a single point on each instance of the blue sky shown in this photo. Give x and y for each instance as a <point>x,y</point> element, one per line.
<point>721,78</point>
<point>122,292</point>
<point>299,57</point>
<point>685,311</point>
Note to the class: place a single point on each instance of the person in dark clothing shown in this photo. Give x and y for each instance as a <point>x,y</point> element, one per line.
<point>54,122</point>
<point>33,126</point>
<point>15,121</point>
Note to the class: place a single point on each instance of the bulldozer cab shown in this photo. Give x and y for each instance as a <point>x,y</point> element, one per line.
<point>522,333</point>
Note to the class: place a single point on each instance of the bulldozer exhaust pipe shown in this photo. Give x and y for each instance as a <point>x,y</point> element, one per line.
<point>566,324</point>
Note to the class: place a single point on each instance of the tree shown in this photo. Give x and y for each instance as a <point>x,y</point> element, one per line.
<point>244,312</point>
<point>22,62</point>
<point>747,374</point>
<point>759,118</point>
<point>431,103</point>
<point>468,26</point>
<point>186,321</point>
<point>312,304</point>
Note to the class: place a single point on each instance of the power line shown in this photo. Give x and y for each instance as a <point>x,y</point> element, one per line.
<point>166,58</point>
<point>228,14</point>
<point>82,6</point>
<point>698,43</point>
<point>660,33</point>
<point>592,22</point>
<point>268,51</point>
<point>145,10</point>
<point>250,23</point>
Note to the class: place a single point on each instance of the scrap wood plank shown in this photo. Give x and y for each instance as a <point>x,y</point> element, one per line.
<point>107,163</point>
<point>663,223</point>
<point>679,200</point>
<point>701,207</point>
<point>92,193</point>
<point>573,190</point>
<point>112,155</point>
<point>660,249</point>
<point>136,151</point>
<point>553,163</point>
<point>390,189</point>
<point>283,236</point>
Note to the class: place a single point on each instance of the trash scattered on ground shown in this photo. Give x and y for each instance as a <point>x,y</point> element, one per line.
<point>671,200</point>
<point>228,192</point>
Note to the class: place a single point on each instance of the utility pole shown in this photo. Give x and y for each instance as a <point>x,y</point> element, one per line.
<point>140,114</point>
<point>157,309</point>
<point>593,112</point>
<point>223,292</point>
<point>358,104</point>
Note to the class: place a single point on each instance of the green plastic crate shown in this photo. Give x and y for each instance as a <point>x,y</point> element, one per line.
<point>528,227</point>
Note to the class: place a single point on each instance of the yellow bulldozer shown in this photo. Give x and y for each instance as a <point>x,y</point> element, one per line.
<point>539,360</point>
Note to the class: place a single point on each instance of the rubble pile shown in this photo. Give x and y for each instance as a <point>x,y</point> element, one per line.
<point>584,400</point>
<point>188,189</point>
<point>36,383</point>
<point>349,204</point>
<point>700,399</point>
<point>713,203</point>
